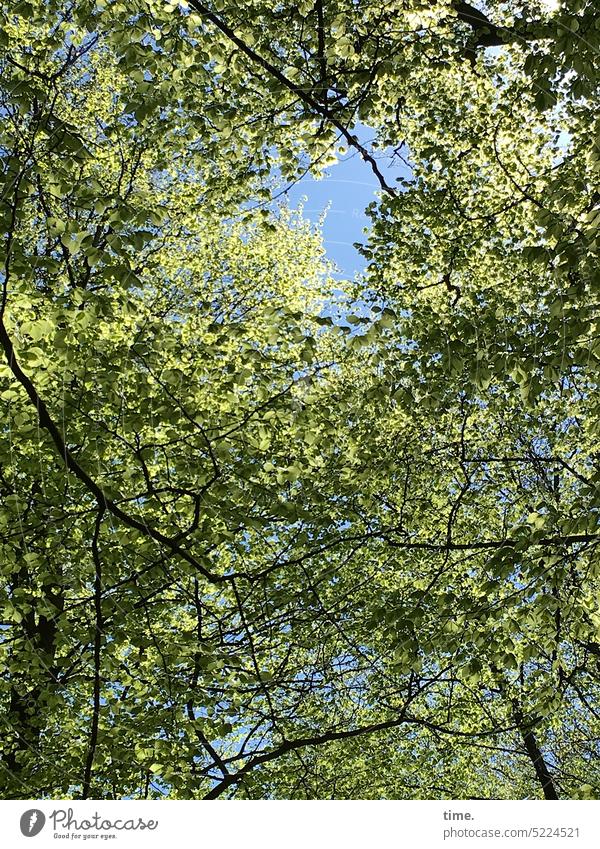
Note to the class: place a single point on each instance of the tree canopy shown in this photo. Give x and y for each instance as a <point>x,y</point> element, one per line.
<point>266,534</point>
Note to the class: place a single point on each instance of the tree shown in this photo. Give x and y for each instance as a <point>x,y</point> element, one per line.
<point>261,538</point>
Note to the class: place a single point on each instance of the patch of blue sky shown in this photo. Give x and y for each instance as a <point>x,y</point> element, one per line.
<point>340,199</point>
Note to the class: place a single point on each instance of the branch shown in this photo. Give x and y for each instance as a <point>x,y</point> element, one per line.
<point>540,766</point>
<point>331,736</point>
<point>571,539</point>
<point>47,422</point>
<point>301,743</point>
<point>489,34</point>
<point>319,108</point>
<point>99,626</point>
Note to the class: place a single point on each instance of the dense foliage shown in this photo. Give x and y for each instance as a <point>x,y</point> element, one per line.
<point>267,535</point>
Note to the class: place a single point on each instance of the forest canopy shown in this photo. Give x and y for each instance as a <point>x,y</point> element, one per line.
<point>265,533</point>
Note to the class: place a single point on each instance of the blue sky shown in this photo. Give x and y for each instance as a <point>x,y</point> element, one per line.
<point>345,191</point>
<point>347,188</point>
